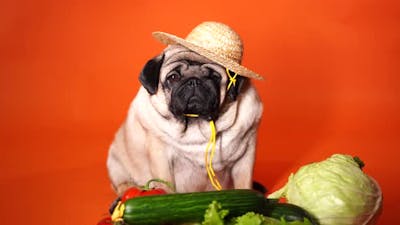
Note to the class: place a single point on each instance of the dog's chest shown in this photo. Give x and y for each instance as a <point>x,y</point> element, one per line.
<point>190,174</point>
<point>225,153</point>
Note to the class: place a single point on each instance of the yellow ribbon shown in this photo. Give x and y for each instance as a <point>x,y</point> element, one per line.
<point>192,115</point>
<point>232,79</point>
<point>211,145</point>
<point>210,170</point>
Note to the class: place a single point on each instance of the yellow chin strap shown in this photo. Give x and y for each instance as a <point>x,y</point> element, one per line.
<point>210,170</point>
<point>232,79</point>
<point>209,155</point>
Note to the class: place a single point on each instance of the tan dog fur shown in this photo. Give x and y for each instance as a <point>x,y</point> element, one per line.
<point>151,143</point>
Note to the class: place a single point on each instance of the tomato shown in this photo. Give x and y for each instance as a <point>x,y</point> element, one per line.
<point>130,193</point>
<point>154,191</point>
<point>134,192</point>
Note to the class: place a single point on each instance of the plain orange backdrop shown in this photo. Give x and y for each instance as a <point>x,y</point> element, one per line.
<point>69,69</point>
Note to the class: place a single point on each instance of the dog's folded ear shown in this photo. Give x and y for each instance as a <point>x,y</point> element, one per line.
<point>234,90</point>
<point>150,75</point>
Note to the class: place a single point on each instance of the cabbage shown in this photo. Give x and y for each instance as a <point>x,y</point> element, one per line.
<point>336,191</point>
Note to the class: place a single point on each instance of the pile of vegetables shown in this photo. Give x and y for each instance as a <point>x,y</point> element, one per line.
<point>182,208</point>
<point>331,192</point>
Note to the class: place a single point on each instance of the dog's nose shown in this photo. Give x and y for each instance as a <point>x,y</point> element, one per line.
<point>193,82</point>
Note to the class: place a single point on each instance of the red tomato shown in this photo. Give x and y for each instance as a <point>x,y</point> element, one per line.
<point>154,191</point>
<point>134,192</point>
<point>130,193</point>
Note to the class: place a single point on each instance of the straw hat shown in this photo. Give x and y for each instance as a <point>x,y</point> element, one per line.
<point>215,41</point>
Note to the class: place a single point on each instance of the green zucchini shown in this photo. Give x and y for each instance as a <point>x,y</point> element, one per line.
<point>288,212</point>
<point>190,207</point>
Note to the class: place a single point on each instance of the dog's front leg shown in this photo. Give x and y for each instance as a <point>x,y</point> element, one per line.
<point>128,161</point>
<point>160,164</point>
<point>242,171</point>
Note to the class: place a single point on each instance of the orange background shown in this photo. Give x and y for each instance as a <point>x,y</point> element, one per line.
<point>69,70</point>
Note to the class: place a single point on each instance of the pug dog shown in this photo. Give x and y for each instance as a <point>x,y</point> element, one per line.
<point>159,140</point>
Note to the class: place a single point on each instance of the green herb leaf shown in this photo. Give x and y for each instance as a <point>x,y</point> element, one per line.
<point>214,215</point>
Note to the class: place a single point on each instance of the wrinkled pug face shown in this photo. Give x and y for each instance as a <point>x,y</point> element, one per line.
<point>190,83</point>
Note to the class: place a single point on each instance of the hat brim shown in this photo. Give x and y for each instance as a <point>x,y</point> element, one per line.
<point>169,39</point>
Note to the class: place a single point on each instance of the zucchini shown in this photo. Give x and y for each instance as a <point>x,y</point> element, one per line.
<point>190,207</point>
<point>288,212</point>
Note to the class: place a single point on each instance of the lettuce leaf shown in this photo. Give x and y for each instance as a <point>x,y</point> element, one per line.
<point>215,215</point>
<point>250,218</point>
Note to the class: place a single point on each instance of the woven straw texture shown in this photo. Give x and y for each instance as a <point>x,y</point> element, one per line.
<point>216,41</point>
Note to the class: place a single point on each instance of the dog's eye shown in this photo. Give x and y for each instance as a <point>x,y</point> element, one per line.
<point>173,77</point>
<point>215,75</point>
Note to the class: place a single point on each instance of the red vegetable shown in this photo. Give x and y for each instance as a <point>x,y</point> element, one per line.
<point>117,208</point>
<point>145,190</point>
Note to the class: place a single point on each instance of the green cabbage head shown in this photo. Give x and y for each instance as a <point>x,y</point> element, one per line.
<point>336,191</point>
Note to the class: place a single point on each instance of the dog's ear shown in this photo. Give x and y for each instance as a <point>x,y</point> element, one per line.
<point>234,90</point>
<point>150,74</point>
